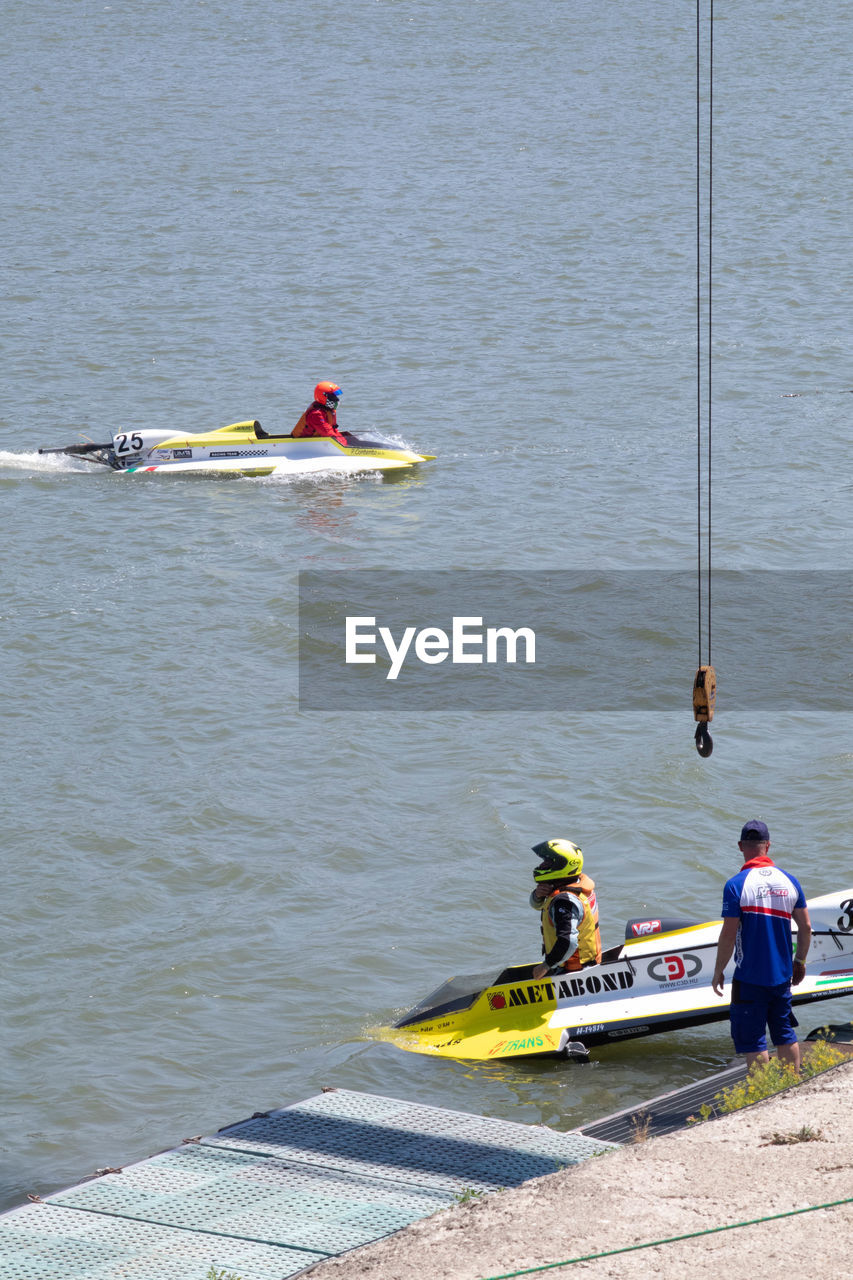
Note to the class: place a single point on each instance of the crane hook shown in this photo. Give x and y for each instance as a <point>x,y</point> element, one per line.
<point>704,697</point>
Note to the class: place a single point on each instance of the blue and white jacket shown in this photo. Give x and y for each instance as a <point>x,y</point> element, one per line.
<point>763,897</point>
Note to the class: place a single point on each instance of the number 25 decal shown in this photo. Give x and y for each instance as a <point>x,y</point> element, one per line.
<point>845,922</point>
<point>128,444</point>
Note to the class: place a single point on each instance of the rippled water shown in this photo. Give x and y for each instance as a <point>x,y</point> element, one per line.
<point>479,220</point>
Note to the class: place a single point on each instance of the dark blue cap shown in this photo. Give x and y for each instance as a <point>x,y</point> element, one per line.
<point>754,830</point>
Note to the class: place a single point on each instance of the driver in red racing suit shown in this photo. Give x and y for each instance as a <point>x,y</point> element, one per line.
<point>321,418</point>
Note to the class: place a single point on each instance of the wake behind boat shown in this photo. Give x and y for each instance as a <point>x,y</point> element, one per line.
<point>658,980</point>
<point>243,448</point>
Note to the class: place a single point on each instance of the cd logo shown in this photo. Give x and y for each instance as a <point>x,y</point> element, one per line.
<point>674,968</point>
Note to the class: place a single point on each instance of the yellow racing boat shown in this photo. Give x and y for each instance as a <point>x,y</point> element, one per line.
<point>658,979</point>
<point>245,449</point>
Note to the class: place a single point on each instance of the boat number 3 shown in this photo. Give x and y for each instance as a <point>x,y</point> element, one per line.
<point>845,922</point>
<point>128,444</point>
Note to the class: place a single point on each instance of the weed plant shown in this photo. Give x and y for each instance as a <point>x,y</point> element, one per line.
<point>640,1126</point>
<point>771,1077</point>
<point>468,1194</point>
<point>804,1134</point>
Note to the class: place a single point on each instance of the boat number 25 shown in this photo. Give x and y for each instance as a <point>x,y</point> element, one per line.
<point>124,443</point>
<point>845,922</point>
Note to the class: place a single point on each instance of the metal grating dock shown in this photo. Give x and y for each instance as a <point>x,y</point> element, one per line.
<point>267,1198</point>
<point>46,1242</point>
<point>391,1139</point>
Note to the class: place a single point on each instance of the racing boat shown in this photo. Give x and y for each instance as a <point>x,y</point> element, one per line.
<point>243,448</point>
<point>658,979</point>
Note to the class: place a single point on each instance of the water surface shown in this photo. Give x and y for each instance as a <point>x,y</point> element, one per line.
<point>479,220</point>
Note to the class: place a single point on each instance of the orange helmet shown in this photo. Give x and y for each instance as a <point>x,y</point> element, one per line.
<point>328,394</point>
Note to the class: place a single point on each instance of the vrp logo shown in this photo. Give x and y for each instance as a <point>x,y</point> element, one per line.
<point>674,968</point>
<point>642,927</point>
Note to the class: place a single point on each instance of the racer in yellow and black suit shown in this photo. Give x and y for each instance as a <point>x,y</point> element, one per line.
<point>569,912</point>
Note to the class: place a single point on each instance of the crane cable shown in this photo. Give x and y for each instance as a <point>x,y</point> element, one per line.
<point>705,680</point>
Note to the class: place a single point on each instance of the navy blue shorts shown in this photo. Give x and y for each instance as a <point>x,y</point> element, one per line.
<point>755,1008</point>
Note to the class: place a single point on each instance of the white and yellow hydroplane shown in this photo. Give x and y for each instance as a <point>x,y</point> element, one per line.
<point>243,448</point>
<point>658,979</point>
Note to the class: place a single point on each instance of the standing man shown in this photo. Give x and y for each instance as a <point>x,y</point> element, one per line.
<point>758,905</point>
<point>566,899</point>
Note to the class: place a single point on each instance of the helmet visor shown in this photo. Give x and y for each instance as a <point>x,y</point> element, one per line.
<point>552,868</point>
<point>552,862</point>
